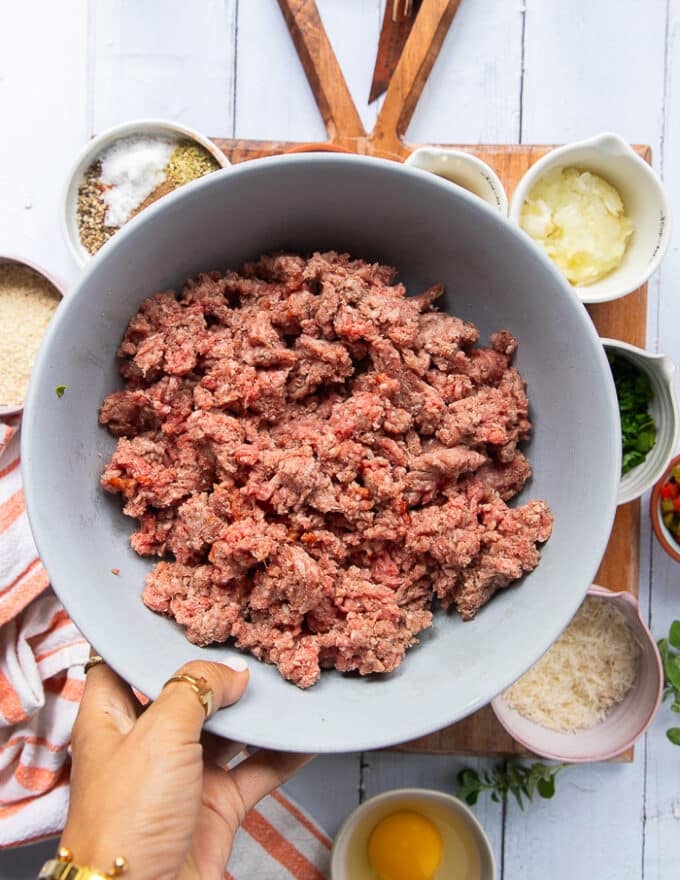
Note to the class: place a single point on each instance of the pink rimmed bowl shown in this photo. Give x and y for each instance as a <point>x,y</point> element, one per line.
<point>7,410</point>
<point>621,727</point>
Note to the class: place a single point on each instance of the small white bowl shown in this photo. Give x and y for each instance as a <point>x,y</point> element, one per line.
<point>93,150</point>
<point>464,170</point>
<point>14,410</point>
<point>644,201</point>
<point>663,409</point>
<point>349,858</point>
<point>622,727</point>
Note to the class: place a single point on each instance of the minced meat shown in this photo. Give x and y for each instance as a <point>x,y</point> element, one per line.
<point>316,458</point>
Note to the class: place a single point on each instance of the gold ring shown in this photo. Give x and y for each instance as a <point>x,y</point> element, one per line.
<point>199,686</point>
<point>94,660</point>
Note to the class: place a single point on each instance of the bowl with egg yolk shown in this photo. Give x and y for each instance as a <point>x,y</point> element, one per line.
<point>412,834</point>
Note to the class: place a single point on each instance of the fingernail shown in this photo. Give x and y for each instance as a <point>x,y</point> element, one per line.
<point>236,664</point>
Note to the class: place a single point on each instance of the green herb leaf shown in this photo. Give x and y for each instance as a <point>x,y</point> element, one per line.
<point>634,392</point>
<point>510,778</point>
<point>670,655</point>
<point>59,390</point>
<point>469,786</point>
<point>673,671</point>
<point>546,787</point>
<point>673,735</point>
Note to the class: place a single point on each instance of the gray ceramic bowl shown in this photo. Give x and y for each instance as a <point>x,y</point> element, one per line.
<point>433,232</point>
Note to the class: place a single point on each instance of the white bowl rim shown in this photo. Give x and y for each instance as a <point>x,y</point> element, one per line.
<point>471,160</point>
<point>560,155</point>
<point>615,596</point>
<point>423,794</point>
<point>96,144</point>
<point>666,366</point>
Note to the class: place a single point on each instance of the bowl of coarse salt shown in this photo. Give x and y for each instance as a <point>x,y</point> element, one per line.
<point>595,691</point>
<point>124,170</point>
<point>29,297</point>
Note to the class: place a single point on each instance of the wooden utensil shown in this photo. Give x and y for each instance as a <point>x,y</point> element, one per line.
<point>332,95</point>
<point>396,27</point>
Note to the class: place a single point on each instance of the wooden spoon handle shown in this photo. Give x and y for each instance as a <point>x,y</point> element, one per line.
<point>328,84</point>
<point>420,52</point>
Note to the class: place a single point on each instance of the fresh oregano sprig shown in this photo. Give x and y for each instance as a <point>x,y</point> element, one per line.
<point>670,654</point>
<point>512,778</point>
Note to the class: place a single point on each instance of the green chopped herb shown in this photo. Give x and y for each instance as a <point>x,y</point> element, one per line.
<point>512,778</point>
<point>670,654</point>
<point>634,393</point>
<point>59,390</point>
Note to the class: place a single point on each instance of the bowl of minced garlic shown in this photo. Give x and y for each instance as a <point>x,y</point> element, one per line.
<point>595,691</point>
<point>28,300</point>
<point>599,212</point>
<point>124,170</point>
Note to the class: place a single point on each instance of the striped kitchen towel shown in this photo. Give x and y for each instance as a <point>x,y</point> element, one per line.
<point>41,677</point>
<point>22,577</point>
<point>41,682</point>
<point>279,841</point>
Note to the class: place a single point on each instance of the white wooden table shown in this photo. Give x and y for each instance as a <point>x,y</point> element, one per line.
<point>542,71</point>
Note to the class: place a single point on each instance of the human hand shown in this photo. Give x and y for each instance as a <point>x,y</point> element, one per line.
<point>143,785</point>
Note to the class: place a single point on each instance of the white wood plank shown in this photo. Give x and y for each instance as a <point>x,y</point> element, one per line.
<point>473,93</point>
<point>591,67</point>
<point>353,28</point>
<point>662,813</point>
<point>273,98</point>
<point>592,827</point>
<point>573,86</point>
<point>43,105</point>
<point>328,789</point>
<point>387,770</point>
<point>165,58</point>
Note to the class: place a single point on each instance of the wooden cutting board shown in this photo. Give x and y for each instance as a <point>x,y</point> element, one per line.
<point>626,318</point>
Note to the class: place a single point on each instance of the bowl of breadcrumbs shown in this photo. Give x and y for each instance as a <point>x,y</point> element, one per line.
<point>29,297</point>
<point>124,170</point>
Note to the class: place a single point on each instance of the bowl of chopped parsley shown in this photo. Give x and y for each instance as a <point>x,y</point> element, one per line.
<point>648,412</point>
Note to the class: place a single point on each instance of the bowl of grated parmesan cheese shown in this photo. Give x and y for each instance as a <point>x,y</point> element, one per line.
<point>29,297</point>
<point>595,691</point>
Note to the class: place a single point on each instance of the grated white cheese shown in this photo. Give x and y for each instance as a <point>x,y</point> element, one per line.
<point>27,303</point>
<point>587,672</point>
<point>132,168</point>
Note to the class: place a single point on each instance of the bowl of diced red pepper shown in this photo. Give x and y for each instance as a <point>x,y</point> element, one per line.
<point>665,509</point>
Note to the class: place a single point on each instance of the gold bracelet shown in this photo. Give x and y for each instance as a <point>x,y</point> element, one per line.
<point>64,868</point>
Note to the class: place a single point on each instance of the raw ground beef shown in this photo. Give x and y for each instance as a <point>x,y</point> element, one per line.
<point>316,458</point>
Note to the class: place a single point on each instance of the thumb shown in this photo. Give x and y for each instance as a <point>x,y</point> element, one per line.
<point>179,713</point>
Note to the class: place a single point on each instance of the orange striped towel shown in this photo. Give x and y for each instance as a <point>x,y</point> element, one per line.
<point>279,841</point>
<point>22,577</point>
<point>41,678</point>
<point>41,682</point>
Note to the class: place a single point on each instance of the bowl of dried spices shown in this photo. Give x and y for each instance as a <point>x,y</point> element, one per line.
<point>29,297</point>
<point>649,415</point>
<point>124,170</point>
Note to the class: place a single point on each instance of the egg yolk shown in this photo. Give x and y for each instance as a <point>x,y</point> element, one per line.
<point>405,846</point>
